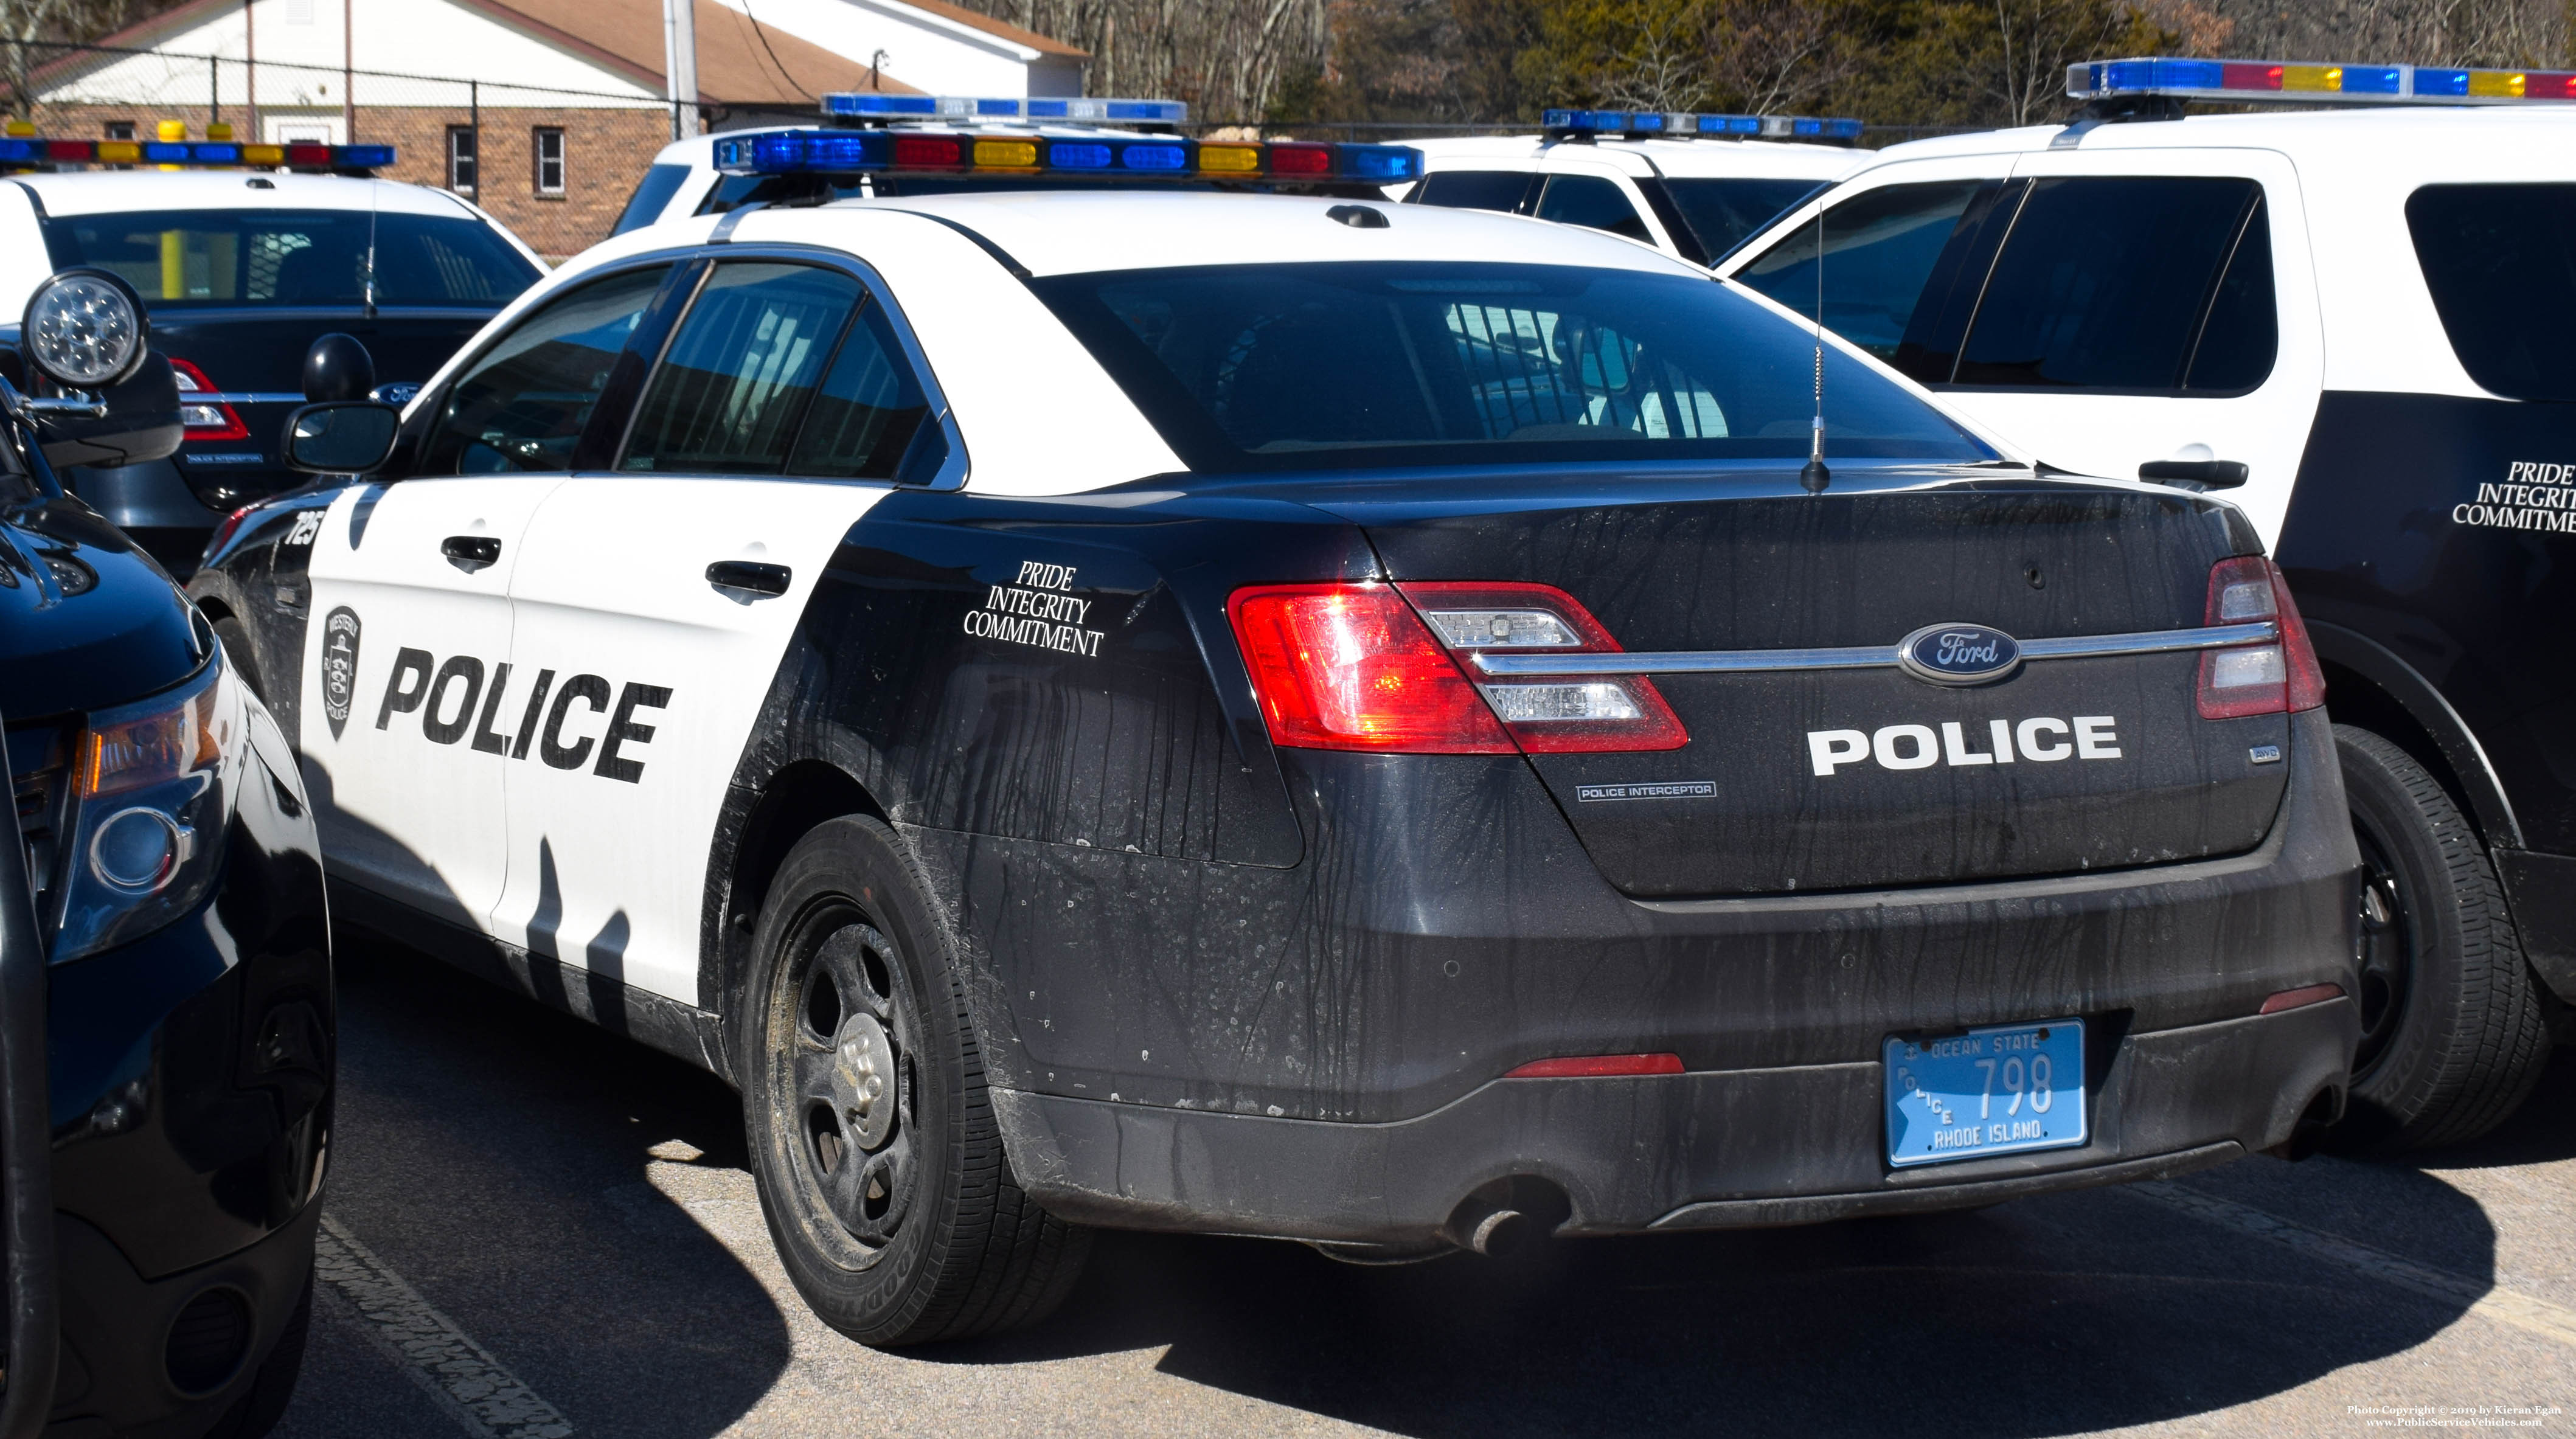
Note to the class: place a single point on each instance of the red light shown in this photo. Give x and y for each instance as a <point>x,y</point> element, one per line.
<point>2241,75</point>
<point>2242,681</point>
<point>70,150</point>
<point>2548,85</point>
<point>204,422</point>
<point>308,155</point>
<point>1598,1066</point>
<point>1653,727</point>
<point>2301,998</point>
<point>929,151</point>
<point>1301,159</point>
<point>1351,667</point>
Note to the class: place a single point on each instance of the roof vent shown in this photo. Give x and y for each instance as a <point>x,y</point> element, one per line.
<point>1358,217</point>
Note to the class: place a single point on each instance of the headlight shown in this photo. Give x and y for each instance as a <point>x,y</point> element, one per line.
<point>151,790</point>
<point>84,329</point>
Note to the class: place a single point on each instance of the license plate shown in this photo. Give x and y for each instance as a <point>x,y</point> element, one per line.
<point>2004,1089</point>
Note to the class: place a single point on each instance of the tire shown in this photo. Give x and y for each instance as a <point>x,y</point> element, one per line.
<point>238,653</point>
<point>257,1412</point>
<point>2454,1032</point>
<point>880,1165</point>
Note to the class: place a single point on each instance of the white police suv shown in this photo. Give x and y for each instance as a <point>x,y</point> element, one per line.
<point>242,257</point>
<point>2349,319</point>
<point>1287,716</point>
<point>1689,185</point>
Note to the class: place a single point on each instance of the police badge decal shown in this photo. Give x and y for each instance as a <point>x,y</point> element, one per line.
<point>339,666</point>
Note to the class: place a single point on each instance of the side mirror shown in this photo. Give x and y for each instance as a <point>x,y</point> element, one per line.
<point>342,437</point>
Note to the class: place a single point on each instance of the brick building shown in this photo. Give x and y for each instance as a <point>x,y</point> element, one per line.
<point>544,112</point>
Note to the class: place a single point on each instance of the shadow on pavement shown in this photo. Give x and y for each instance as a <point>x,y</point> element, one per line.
<point>495,1153</point>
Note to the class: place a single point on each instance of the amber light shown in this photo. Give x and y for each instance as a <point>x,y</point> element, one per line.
<point>1598,1066</point>
<point>149,749</point>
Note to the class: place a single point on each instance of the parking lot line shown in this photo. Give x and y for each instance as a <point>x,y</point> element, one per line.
<point>2522,1311</point>
<point>459,1375</point>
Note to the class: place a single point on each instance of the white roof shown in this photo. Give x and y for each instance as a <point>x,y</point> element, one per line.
<point>95,192</point>
<point>1063,232</point>
<point>1754,159</point>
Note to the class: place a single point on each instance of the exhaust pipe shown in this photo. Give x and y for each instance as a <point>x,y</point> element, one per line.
<point>1507,1216</point>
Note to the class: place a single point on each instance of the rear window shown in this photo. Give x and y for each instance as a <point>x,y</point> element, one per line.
<point>2501,263</point>
<point>181,258</point>
<point>1347,366</point>
<point>1500,190</point>
<point>652,194</point>
<point>1721,213</point>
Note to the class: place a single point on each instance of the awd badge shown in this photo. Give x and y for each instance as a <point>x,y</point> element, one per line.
<point>339,666</point>
<point>1958,654</point>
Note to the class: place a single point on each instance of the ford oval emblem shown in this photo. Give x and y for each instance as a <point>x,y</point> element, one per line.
<point>1958,654</point>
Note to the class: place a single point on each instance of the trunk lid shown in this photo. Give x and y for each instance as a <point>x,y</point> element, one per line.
<point>2106,761</point>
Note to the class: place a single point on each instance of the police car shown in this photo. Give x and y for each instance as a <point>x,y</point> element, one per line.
<point>1689,185</point>
<point>2343,318</point>
<point>165,961</point>
<point>242,258</point>
<point>1271,715</point>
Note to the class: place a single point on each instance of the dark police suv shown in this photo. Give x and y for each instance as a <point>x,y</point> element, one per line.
<point>1333,721</point>
<point>163,881</point>
<point>240,269</point>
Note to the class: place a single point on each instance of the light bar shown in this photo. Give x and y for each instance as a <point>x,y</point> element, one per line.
<point>26,150</point>
<point>2288,82</point>
<point>1671,125</point>
<point>1069,109</point>
<point>988,152</point>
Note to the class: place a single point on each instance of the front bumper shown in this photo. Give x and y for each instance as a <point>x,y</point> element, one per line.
<point>1316,1051</point>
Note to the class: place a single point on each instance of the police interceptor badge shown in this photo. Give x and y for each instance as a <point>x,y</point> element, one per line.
<point>339,666</point>
<point>1958,654</point>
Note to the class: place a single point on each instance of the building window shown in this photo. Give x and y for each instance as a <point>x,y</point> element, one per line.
<point>461,166</point>
<point>550,160</point>
<point>120,129</point>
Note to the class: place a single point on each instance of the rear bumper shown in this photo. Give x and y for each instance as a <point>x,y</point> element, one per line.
<point>1710,1150</point>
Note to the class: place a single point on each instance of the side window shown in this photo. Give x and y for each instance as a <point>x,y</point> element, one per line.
<point>2243,332</point>
<point>1592,202</point>
<point>1881,248</point>
<point>1475,189</point>
<point>731,391</point>
<point>868,410</point>
<point>523,404</point>
<point>2502,269</point>
<point>2104,283</point>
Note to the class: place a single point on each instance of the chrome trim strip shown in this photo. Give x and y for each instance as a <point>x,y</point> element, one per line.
<point>1860,657</point>
<point>240,397</point>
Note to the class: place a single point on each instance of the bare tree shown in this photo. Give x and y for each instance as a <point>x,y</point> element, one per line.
<point>1226,57</point>
<point>26,26</point>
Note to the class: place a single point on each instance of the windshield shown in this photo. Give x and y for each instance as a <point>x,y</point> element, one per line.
<point>1347,366</point>
<point>1722,212</point>
<point>181,258</point>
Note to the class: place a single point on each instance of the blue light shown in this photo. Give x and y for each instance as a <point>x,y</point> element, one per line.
<point>20,149</point>
<point>364,157</point>
<point>848,102</point>
<point>787,152</point>
<point>1842,129</point>
<point>1804,125</point>
<point>1380,164</point>
<point>1084,156</point>
<point>1646,123</point>
<point>2371,80</point>
<point>164,153</point>
<point>1730,124</point>
<point>1150,112</point>
<point>2441,82</point>
<point>1049,109</point>
<point>2164,74</point>
<point>1008,108</point>
<point>1154,157</point>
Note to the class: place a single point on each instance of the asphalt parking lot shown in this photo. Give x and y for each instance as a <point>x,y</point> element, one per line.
<point>536,1228</point>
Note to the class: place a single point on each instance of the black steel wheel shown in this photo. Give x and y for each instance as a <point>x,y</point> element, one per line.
<point>2454,1032</point>
<point>881,1169</point>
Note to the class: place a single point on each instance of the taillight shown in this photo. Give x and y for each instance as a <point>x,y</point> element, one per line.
<point>1353,666</point>
<point>199,421</point>
<point>2273,677</point>
<point>1547,715</point>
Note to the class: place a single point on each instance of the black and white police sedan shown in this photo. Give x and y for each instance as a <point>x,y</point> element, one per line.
<point>241,262</point>
<point>2348,319</point>
<point>1689,185</point>
<point>1286,717</point>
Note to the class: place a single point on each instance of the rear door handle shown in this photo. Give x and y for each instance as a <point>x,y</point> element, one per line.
<point>2206,474</point>
<point>748,577</point>
<point>470,552</point>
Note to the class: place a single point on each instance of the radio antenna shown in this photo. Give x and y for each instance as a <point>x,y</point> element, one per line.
<point>1815,476</point>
